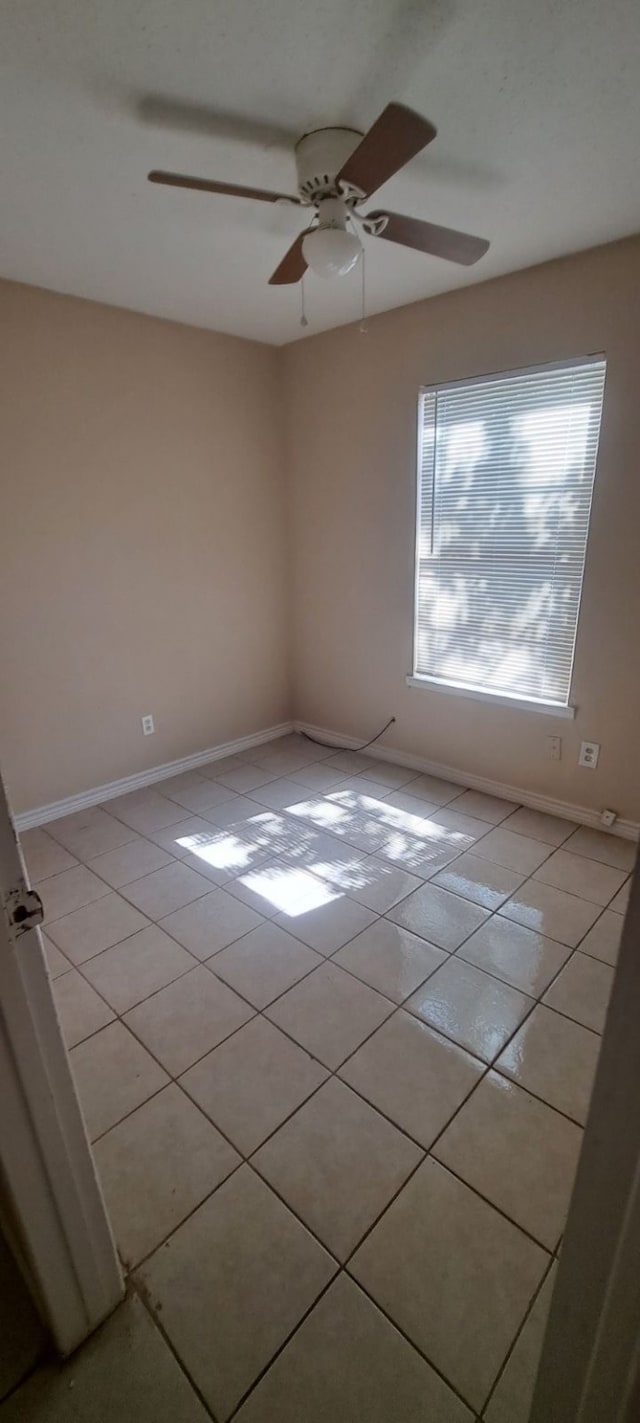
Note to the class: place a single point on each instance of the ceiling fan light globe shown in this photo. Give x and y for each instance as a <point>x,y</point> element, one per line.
<point>331,251</point>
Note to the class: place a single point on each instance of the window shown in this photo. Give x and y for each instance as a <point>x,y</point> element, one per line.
<point>506,466</point>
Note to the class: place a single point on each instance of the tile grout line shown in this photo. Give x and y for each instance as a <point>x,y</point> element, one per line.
<point>519,1331</point>
<point>408,1340</point>
<point>247,1160</point>
<point>142,1294</point>
<point>281,1348</point>
<point>332,1073</point>
<point>341,1270</point>
<point>343,1267</point>
<point>373,853</point>
<point>395,1008</point>
<point>383,914</point>
<point>445,1166</point>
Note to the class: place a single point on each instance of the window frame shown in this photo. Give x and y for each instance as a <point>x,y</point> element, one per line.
<point>426,681</point>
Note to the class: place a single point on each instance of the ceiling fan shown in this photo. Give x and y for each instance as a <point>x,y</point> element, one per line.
<point>338,170</point>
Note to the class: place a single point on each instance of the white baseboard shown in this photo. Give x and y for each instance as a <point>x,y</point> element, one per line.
<point>44,813</point>
<point>583,815</point>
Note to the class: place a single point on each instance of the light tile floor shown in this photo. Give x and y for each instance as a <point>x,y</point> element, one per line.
<point>334,1026</point>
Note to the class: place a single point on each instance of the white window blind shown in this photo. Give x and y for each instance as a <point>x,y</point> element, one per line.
<point>505,476</point>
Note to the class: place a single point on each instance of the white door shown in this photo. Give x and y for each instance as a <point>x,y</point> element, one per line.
<point>51,1203</point>
<point>589,1370</point>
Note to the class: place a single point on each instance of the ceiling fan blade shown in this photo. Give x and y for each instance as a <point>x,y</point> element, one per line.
<point>293,266</point>
<point>207,185</point>
<point>444,242</point>
<point>396,136</point>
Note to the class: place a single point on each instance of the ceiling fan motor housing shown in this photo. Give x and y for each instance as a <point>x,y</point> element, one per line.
<point>319,157</point>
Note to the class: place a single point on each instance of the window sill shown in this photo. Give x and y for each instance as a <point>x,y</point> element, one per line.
<point>498,699</point>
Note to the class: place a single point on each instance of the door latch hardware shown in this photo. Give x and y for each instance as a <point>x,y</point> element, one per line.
<point>23,908</point>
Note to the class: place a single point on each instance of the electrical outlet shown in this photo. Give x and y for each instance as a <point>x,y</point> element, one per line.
<point>148,727</point>
<point>589,753</point>
<point>554,748</point>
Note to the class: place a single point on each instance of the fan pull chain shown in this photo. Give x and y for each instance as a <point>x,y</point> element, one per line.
<point>363,319</point>
<point>303,317</point>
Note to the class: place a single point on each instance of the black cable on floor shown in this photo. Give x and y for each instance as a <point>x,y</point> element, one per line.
<point>329,746</point>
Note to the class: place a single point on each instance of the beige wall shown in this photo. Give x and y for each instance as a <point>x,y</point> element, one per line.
<point>141,542</point>
<point>145,532</point>
<point>352,515</point>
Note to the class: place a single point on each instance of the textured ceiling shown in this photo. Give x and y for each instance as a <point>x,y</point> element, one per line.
<point>537,104</point>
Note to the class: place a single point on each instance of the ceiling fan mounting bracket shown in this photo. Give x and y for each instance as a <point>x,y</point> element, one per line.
<point>350,193</point>
<point>319,157</point>
<point>374,226</point>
